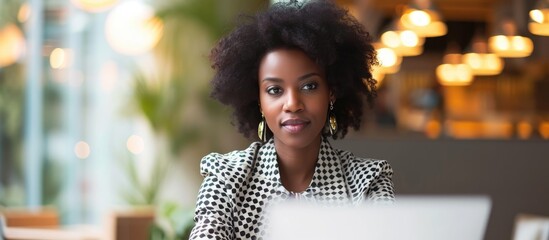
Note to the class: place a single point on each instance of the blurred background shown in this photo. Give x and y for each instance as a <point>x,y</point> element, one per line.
<point>105,108</point>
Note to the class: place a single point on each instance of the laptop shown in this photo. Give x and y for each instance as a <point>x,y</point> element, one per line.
<point>410,217</point>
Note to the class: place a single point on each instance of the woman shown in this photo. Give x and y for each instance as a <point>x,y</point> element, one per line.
<point>295,74</point>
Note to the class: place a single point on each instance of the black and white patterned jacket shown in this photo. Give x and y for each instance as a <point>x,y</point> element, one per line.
<point>239,185</point>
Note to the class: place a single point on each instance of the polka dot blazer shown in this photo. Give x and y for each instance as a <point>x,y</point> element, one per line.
<point>239,186</point>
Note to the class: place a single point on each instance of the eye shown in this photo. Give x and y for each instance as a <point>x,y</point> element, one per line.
<point>310,86</point>
<point>274,90</point>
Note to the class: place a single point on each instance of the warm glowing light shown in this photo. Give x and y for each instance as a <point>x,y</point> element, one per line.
<point>501,42</point>
<point>387,57</point>
<point>424,22</point>
<point>378,74</point>
<point>94,5</point>
<point>544,130</point>
<point>132,29</point>
<point>12,45</point>
<point>484,64</point>
<point>454,74</point>
<point>389,60</point>
<point>433,129</point>
<point>419,18</point>
<point>82,150</point>
<point>409,38</point>
<point>404,43</point>
<point>391,39</point>
<point>60,58</point>
<point>135,144</point>
<point>518,43</point>
<point>511,46</point>
<point>541,29</point>
<point>479,129</point>
<point>24,12</point>
<point>524,130</point>
<point>537,15</point>
<point>539,24</point>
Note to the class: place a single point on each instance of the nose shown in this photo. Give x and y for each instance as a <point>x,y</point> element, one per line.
<point>293,102</point>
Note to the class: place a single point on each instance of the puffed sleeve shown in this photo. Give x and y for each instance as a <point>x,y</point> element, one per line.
<point>223,175</point>
<point>213,214</point>
<point>381,189</point>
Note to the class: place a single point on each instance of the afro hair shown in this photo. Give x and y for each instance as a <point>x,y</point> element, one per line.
<point>328,34</point>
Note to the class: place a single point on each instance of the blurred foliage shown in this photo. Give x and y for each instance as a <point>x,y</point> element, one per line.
<point>11,134</point>
<point>12,99</point>
<point>216,17</point>
<point>173,223</point>
<point>52,122</point>
<point>12,119</point>
<point>52,175</point>
<point>8,11</point>
<point>161,105</point>
<point>141,192</point>
<point>175,98</point>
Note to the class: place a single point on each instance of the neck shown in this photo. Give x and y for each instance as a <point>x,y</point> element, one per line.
<point>297,165</point>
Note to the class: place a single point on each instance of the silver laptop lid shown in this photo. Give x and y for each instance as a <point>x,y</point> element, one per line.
<point>411,217</point>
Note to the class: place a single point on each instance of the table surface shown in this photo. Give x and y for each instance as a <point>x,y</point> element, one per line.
<point>74,232</point>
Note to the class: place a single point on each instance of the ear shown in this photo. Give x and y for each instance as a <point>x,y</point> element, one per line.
<point>332,97</point>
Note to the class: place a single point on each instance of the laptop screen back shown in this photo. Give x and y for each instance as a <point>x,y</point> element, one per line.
<point>411,217</point>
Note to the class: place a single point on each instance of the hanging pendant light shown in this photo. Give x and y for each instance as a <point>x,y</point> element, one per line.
<point>539,19</point>
<point>510,45</point>
<point>389,60</point>
<point>422,18</point>
<point>452,71</point>
<point>481,61</point>
<point>454,74</point>
<point>404,42</point>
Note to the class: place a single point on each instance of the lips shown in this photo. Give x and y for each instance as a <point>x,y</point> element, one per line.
<point>294,125</point>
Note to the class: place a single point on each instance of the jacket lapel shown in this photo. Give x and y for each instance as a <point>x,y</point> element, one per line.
<point>329,180</point>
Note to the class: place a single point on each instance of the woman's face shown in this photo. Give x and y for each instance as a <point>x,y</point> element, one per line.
<point>294,97</point>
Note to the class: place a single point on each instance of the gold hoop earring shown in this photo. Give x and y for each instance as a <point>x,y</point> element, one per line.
<point>333,121</point>
<point>261,130</point>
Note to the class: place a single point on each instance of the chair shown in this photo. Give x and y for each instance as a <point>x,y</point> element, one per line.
<point>531,227</point>
<point>40,218</point>
<point>132,224</point>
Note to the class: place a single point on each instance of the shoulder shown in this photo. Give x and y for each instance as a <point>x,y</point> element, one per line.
<point>368,178</point>
<point>227,165</point>
<point>354,164</point>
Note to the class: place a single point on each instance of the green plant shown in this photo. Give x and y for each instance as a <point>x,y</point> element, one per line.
<point>143,192</point>
<point>175,101</point>
<point>8,11</point>
<point>11,131</point>
<point>173,222</point>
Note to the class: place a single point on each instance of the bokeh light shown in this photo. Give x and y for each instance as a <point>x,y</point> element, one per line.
<point>132,29</point>
<point>94,5</point>
<point>24,13</point>
<point>12,44</point>
<point>135,144</point>
<point>60,58</point>
<point>82,150</point>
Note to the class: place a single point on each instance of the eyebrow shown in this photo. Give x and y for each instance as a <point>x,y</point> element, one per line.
<point>274,79</point>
